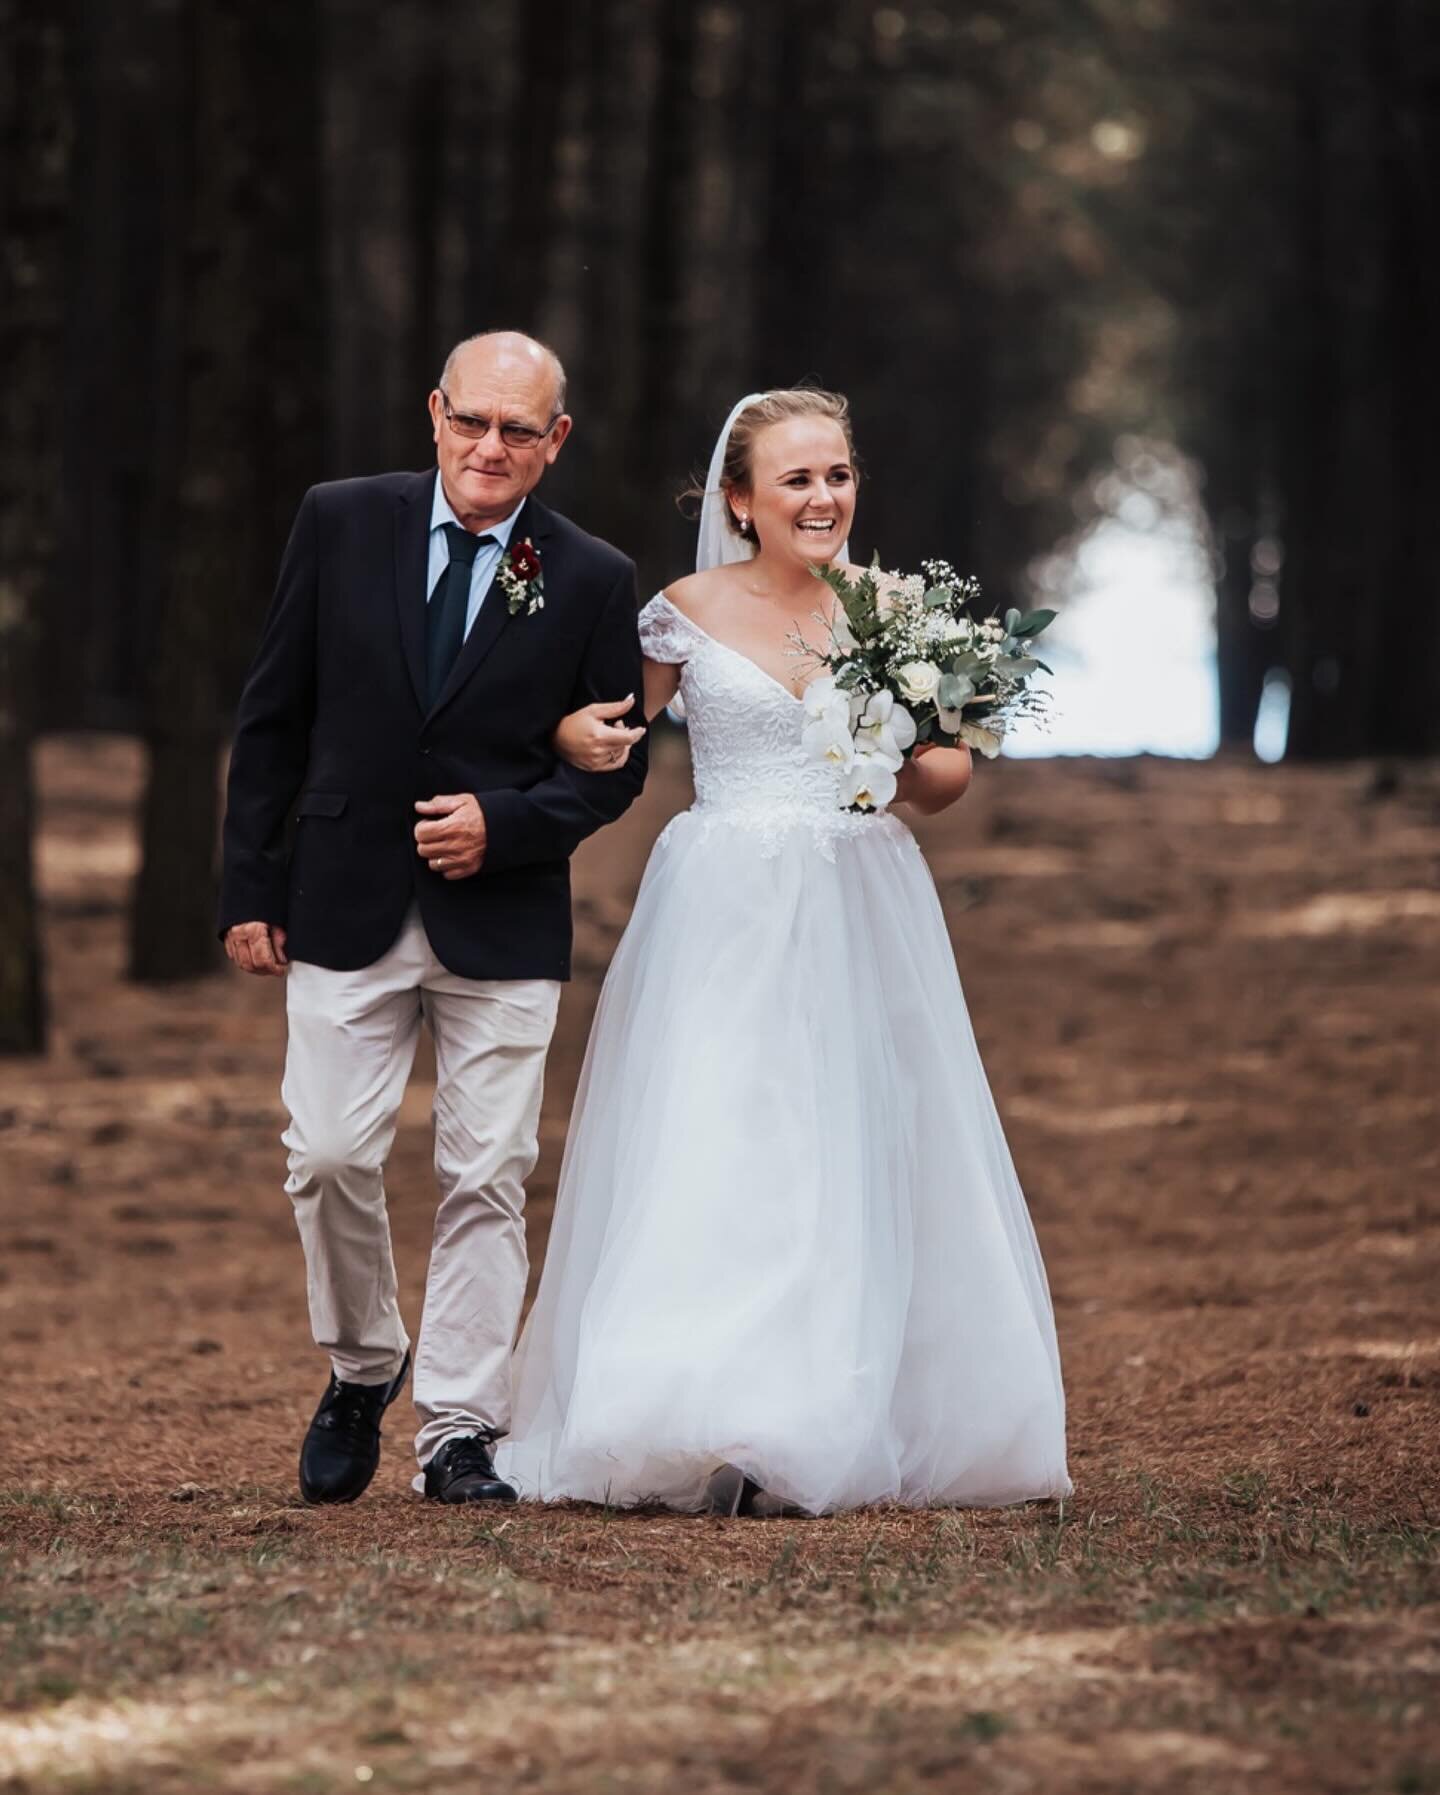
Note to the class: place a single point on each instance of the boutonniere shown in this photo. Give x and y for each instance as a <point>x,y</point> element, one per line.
<point>523,579</point>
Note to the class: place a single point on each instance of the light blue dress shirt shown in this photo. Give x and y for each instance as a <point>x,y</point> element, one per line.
<point>487,559</point>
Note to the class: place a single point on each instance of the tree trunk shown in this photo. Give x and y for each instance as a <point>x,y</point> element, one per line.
<point>790,327</point>
<point>292,446</point>
<point>519,279</point>
<point>214,567</point>
<point>1343,473</point>
<point>1239,686</point>
<point>1405,705</point>
<point>1248,641</point>
<point>616,80</point>
<point>120,379</point>
<point>374,65</point>
<point>662,266</point>
<point>37,157</point>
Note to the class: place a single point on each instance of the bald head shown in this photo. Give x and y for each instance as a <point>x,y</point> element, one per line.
<point>512,357</point>
<point>499,421</point>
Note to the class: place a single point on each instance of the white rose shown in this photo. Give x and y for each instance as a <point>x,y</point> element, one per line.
<point>918,680</point>
<point>869,783</point>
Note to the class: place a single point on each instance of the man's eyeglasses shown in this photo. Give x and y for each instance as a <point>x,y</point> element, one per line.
<point>514,436</point>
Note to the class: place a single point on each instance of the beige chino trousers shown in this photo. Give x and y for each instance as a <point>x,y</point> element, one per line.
<point>352,1041</point>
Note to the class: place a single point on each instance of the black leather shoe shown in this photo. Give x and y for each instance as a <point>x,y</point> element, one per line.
<point>342,1447</point>
<point>463,1471</point>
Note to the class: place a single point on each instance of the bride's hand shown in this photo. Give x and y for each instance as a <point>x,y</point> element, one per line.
<point>934,787</point>
<point>592,741</point>
<point>909,776</point>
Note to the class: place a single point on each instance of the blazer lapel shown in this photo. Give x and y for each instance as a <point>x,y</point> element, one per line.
<point>494,615</point>
<point>412,557</point>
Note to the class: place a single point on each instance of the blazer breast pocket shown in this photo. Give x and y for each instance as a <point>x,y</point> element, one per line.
<point>322,804</point>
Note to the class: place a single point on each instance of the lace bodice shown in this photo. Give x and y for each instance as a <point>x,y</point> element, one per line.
<point>749,765</point>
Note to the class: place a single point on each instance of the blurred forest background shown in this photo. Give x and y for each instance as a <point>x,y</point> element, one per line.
<point>1059,253</point>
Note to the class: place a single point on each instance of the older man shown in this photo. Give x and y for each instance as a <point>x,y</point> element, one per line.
<point>428,632</point>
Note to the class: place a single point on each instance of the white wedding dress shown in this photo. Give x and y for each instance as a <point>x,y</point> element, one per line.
<point>788,1236</point>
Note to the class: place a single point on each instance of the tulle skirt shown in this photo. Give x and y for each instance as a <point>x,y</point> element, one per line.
<point>788,1234</point>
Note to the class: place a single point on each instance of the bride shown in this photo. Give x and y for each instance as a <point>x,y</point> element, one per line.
<point>791,1266</point>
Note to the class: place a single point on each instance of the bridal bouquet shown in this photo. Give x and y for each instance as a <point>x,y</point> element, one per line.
<point>907,664</point>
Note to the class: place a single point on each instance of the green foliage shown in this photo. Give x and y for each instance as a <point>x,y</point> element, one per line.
<point>1032,624</point>
<point>859,599</point>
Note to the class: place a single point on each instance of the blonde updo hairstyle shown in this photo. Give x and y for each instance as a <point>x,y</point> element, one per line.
<point>738,473</point>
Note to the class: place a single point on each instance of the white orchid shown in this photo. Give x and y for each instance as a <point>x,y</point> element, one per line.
<point>886,729</point>
<point>869,783</point>
<point>827,735</point>
<point>918,680</point>
<point>851,692</point>
<point>829,739</point>
<point>823,698</point>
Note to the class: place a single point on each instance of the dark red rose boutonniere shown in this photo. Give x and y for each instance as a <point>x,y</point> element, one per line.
<point>523,579</point>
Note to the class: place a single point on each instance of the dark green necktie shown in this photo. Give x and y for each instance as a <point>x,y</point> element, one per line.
<point>445,614</point>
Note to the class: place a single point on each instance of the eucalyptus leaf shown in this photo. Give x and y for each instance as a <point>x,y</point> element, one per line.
<point>953,690</point>
<point>1033,624</point>
<point>1016,667</point>
<point>1012,621</point>
<point>936,598</point>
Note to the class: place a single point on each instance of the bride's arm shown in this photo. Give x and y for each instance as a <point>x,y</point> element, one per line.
<point>934,778</point>
<point>592,740</point>
<point>662,682</point>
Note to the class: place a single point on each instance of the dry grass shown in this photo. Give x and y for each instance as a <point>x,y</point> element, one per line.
<point>1208,1000</point>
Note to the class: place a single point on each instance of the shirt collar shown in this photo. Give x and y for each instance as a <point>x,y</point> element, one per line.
<point>441,514</point>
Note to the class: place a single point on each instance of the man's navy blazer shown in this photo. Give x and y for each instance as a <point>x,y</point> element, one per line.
<point>334,733</point>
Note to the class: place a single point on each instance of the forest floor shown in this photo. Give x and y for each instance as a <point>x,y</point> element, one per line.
<point>1209,1000</point>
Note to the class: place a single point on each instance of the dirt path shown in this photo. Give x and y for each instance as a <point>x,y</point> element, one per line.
<point>1209,1001</point>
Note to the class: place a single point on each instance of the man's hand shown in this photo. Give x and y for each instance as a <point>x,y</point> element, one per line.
<point>257,947</point>
<point>452,843</point>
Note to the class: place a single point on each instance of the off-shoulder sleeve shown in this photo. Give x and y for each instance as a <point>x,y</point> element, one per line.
<point>668,635</point>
